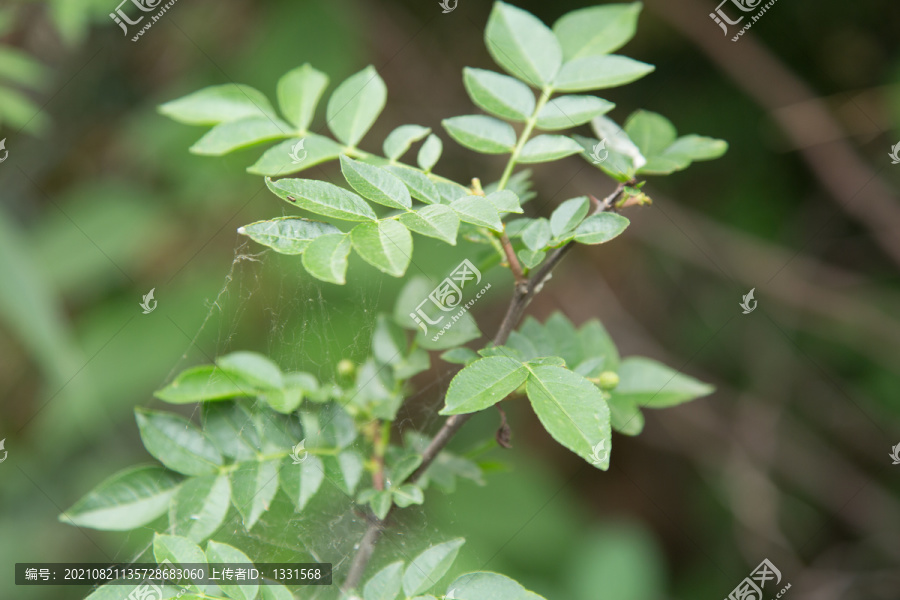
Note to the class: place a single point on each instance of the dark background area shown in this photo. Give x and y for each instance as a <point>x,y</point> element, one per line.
<point>100,201</point>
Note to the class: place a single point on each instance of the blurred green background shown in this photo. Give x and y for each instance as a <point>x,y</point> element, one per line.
<point>100,202</point>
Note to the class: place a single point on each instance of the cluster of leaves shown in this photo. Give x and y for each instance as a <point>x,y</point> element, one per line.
<point>575,381</point>
<point>426,569</point>
<point>253,418</point>
<point>257,420</point>
<point>575,56</point>
<point>180,550</point>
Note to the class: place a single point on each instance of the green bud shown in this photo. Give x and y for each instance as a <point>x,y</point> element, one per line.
<point>346,368</point>
<point>608,380</point>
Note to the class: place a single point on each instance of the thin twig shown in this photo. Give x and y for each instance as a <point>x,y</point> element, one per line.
<point>511,258</point>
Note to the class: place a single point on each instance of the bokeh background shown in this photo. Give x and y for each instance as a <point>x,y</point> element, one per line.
<point>100,202</point>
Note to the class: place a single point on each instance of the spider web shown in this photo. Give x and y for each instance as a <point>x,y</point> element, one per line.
<point>269,304</point>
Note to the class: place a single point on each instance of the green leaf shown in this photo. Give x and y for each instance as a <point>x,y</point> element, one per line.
<point>430,153</point>
<point>600,228</point>
<point>651,132</point>
<point>505,201</point>
<point>599,72</point>
<point>388,341</point>
<point>177,550</point>
<point>301,482</point>
<point>380,501</point>
<point>564,338</point>
<point>127,500</point>
<point>482,585</point>
<point>326,257</point>
<point>484,383</point>
<point>404,467</point>
<point>355,105</point>
<point>500,95</point>
<point>531,258</point>
<point>120,591</point>
<point>538,336</point>
<point>568,215</point>
<point>478,211</point>
<point>253,485</point>
<point>200,506</point>
<point>618,156</point>
<point>417,182</point>
<point>697,147</point>
<point>287,235</point>
<point>546,148</point>
<point>176,443</point>
<point>281,159</point>
<point>232,429</point>
<point>218,104</point>
<point>625,415</point>
<point>427,568</point>
<point>399,140</point>
<point>437,221</point>
<point>654,385</point>
<point>322,198</point>
<point>223,553</point>
<point>345,470</point>
<point>385,584</point>
<point>523,345</point>
<point>566,112</point>
<point>537,235</point>
<point>203,383</point>
<point>482,134</point>
<point>572,410</point>
<point>503,351</point>
<point>521,44</point>
<point>553,361</point>
<point>376,184</point>
<point>449,190</point>
<point>254,367</point>
<point>596,30</point>
<point>407,495</point>
<point>386,245</point>
<point>596,342</point>
<point>272,591</point>
<point>232,135</point>
<point>299,91</point>
<point>459,356</point>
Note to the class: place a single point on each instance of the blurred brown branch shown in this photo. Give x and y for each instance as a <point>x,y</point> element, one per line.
<point>839,168</point>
